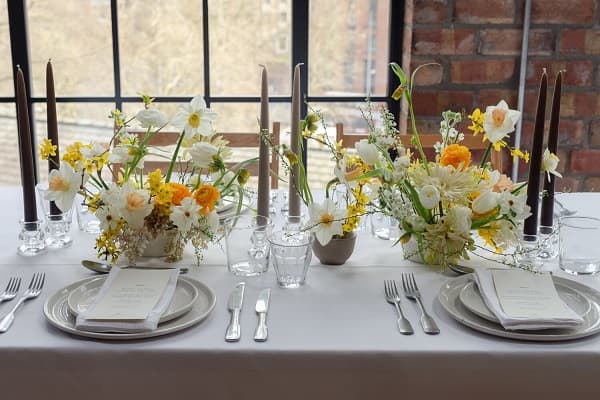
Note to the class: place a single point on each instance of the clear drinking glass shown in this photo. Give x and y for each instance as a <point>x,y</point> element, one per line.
<point>58,222</point>
<point>247,244</point>
<point>579,252</point>
<point>86,220</point>
<point>384,227</point>
<point>291,252</point>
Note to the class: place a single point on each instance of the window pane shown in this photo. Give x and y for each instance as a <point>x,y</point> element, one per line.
<point>77,37</point>
<point>83,122</point>
<point>348,45</point>
<point>6,76</point>
<point>9,162</point>
<point>244,34</point>
<point>160,44</point>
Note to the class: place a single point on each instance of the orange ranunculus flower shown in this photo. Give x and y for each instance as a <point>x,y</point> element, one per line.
<point>206,196</point>
<point>455,154</point>
<point>180,192</point>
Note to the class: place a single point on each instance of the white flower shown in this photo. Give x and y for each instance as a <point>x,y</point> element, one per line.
<point>499,121</point>
<point>95,150</point>
<point>63,184</point>
<point>108,217</point>
<point>186,215</point>
<point>550,163</point>
<point>485,202</point>
<point>346,176</point>
<point>459,219</point>
<point>203,154</point>
<point>415,223</point>
<point>516,204</point>
<point>194,118</point>
<point>326,221</point>
<point>367,151</point>
<point>429,196</point>
<point>136,205</point>
<point>150,117</point>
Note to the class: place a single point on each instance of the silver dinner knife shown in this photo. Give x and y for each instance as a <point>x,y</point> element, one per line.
<point>236,299</point>
<point>262,307</point>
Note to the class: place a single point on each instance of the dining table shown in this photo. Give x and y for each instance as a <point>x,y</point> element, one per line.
<point>335,337</point>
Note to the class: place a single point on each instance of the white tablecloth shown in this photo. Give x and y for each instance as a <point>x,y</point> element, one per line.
<point>334,338</point>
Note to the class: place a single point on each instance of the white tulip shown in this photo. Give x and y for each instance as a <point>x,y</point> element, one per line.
<point>367,151</point>
<point>429,196</point>
<point>485,202</point>
<point>459,218</point>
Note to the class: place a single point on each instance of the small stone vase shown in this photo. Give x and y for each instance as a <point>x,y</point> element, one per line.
<point>337,251</point>
<point>157,247</point>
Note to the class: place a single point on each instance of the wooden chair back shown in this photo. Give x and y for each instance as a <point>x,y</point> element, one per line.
<point>235,139</point>
<point>428,140</point>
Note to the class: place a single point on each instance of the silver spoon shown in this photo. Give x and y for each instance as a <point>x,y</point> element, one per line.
<point>102,268</point>
<point>460,269</point>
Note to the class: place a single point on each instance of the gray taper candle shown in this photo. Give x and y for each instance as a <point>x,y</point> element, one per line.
<point>263,153</point>
<point>294,195</point>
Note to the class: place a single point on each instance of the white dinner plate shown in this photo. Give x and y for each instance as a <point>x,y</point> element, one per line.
<point>472,300</point>
<point>183,298</point>
<point>57,313</point>
<point>449,297</point>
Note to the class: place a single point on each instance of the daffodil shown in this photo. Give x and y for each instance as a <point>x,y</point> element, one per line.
<point>108,217</point>
<point>499,121</point>
<point>185,216</point>
<point>136,205</point>
<point>326,220</point>
<point>63,185</point>
<point>194,118</point>
<point>550,163</point>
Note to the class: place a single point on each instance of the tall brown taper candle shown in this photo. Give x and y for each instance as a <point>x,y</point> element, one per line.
<point>294,195</point>
<point>263,152</point>
<point>53,161</point>
<point>535,164</point>
<point>547,218</point>
<point>25,152</point>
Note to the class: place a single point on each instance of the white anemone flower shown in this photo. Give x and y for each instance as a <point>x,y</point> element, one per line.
<point>194,118</point>
<point>203,154</point>
<point>429,196</point>
<point>186,215</point>
<point>485,202</point>
<point>150,117</point>
<point>516,204</point>
<point>63,185</point>
<point>499,121</point>
<point>367,151</point>
<point>136,205</point>
<point>550,163</point>
<point>326,221</point>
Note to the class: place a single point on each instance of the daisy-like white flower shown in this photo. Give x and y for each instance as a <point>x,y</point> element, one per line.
<point>108,217</point>
<point>550,163</point>
<point>515,204</point>
<point>429,196</point>
<point>136,205</point>
<point>194,118</point>
<point>203,154</point>
<point>186,215</point>
<point>325,220</point>
<point>454,184</point>
<point>63,184</point>
<point>499,121</point>
<point>150,117</point>
<point>367,151</point>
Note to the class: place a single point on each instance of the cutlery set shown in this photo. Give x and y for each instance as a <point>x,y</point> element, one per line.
<point>411,291</point>
<point>236,300</point>
<point>35,288</point>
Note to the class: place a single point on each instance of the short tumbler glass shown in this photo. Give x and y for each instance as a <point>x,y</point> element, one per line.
<point>247,244</point>
<point>291,252</point>
<point>579,253</point>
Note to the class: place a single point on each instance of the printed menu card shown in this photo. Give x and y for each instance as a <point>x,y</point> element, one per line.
<point>132,295</point>
<point>523,294</point>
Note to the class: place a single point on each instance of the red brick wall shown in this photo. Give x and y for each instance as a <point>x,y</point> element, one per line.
<point>478,44</point>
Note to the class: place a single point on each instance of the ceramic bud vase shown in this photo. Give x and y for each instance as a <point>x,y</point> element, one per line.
<point>159,246</point>
<point>337,251</point>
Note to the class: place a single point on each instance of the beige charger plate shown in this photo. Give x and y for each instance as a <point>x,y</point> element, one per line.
<point>56,311</point>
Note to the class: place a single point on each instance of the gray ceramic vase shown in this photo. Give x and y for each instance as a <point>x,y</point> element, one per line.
<point>337,251</point>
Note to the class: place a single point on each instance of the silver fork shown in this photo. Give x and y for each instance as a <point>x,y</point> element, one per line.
<point>11,289</point>
<point>33,291</point>
<point>411,291</point>
<point>393,297</point>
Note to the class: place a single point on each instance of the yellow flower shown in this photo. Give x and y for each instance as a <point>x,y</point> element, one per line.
<point>517,153</point>
<point>47,149</point>
<point>291,157</point>
<point>487,234</point>
<point>499,145</point>
<point>180,192</point>
<point>154,181</point>
<point>456,155</point>
<point>73,156</point>
<point>398,92</point>
<point>119,118</point>
<point>243,176</point>
<point>477,119</point>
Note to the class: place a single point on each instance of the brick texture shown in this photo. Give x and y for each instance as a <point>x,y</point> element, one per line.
<point>478,45</point>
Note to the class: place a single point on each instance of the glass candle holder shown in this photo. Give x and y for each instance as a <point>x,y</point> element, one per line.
<point>548,246</point>
<point>58,222</point>
<point>247,245</point>
<point>31,239</point>
<point>528,252</point>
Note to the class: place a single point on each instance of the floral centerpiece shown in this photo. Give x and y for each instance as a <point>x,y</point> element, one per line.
<point>136,207</point>
<point>440,204</point>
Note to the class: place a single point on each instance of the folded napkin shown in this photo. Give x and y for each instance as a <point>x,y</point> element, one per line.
<point>485,282</point>
<point>127,326</point>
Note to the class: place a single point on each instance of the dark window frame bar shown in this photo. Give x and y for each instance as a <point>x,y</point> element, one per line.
<point>300,52</point>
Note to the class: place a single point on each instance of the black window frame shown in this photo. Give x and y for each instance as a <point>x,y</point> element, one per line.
<point>19,40</point>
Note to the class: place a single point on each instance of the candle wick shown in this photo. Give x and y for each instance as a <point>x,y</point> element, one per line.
<point>262,66</point>
<point>544,69</point>
<point>49,60</point>
<point>18,66</point>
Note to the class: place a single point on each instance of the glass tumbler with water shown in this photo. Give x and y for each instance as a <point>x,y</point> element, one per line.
<point>579,252</point>
<point>291,252</point>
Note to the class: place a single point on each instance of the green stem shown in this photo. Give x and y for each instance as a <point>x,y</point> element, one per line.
<point>486,155</point>
<point>174,158</point>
